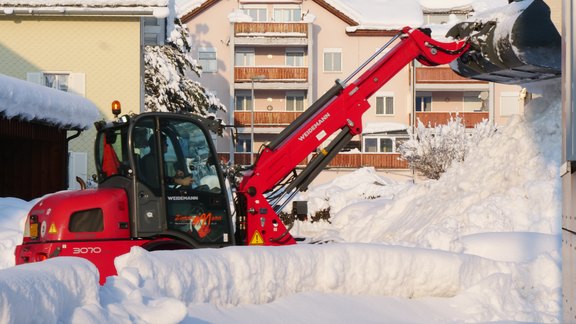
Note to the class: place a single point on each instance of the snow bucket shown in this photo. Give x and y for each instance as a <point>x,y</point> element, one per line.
<point>515,44</point>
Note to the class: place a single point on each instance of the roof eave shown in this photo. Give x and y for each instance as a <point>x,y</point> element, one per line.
<point>373,32</point>
<point>198,10</point>
<point>83,11</point>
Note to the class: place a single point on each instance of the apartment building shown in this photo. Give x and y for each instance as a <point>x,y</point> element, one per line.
<point>270,60</point>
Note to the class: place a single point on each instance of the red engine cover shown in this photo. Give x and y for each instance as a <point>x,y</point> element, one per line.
<point>93,224</point>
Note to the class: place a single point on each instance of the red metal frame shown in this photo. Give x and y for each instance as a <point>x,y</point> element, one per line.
<point>263,225</point>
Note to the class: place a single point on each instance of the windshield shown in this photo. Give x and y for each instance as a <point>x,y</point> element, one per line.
<point>182,150</point>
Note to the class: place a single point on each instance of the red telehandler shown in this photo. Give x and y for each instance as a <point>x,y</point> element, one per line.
<point>145,162</point>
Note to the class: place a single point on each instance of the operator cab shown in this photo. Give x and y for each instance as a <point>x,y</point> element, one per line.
<point>153,156</point>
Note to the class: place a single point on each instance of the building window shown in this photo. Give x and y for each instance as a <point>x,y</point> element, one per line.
<point>243,144</point>
<point>257,14</point>
<point>245,57</point>
<point>56,81</point>
<point>207,59</point>
<point>295,101</point>
<point>472,101</point>
<point>63,81</point>
<point>333,60</point>
<point>243,101</point>
<point>154,30</point>
<point>382,144</point>
<point>287,14</point>
<point>294,58</point>
<point>423,102</point>
<point>385,104</point>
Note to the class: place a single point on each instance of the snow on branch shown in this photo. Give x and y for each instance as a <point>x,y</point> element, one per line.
<point>168,88</point>
<point>432,150</point>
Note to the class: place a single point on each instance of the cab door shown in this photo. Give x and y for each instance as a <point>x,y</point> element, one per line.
<point>170,148</point>
<point>148,202</point>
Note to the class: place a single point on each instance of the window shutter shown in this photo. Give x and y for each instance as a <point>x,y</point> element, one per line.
<point>34,77</point>
<point>77,84</point>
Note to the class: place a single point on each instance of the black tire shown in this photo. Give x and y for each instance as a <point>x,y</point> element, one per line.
<point>167,245</point>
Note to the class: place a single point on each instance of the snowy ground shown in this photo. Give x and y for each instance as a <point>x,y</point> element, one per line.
<point>481,244</point>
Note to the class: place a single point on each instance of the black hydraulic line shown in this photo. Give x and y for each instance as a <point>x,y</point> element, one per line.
<point>307,114</point>
<point>320,161</point>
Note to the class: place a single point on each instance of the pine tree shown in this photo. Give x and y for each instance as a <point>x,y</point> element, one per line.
<point>167,88</point>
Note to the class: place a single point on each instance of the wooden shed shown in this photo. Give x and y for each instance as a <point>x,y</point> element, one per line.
<point>33,159</point>
<point>34,125</point>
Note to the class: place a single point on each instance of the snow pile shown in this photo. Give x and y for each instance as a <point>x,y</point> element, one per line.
<point>44,104</point>
<point>49,293</point>
<point>13,213</point>
<point>510,183</point>
<point>235,276</point>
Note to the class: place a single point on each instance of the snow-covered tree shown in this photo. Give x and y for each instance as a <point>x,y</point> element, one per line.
<point>167,86</point>
<point>431,150</point>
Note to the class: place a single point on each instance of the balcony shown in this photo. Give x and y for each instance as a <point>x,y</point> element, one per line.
<point>270,33</point>
<point>441,75</point>
<point>271,74</point>
<point>264,118</point>
<point>293,29</point>
<point>442,118</point>
<point>342,160</point>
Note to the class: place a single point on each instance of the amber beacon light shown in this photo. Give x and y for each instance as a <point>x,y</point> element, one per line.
<point>116,108</point>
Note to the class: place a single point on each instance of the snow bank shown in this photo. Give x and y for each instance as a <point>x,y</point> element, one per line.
<point>258,275</point>
<point>12,218</point>
<point>47,292</point>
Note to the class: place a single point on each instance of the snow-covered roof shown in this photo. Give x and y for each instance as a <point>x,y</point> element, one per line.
<point>380,14</point>
<point>447,5</point>
<point>156,8</point>
<point>31,102</point>
<point>84,3</point>
<point>183,7</point>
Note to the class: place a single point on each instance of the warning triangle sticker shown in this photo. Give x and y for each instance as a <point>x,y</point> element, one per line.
<point>257,239</point>
<point>53,229</point>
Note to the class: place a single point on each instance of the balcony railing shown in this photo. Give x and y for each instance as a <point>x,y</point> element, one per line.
<point>377,160</point>
<point>342,160</point>
<point>441,75</point>
<point>442,118</point>
<point>245,74</point>
<point>271,28</point>
<point>264,118</point>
